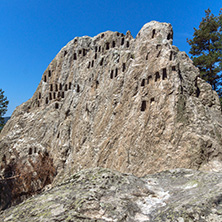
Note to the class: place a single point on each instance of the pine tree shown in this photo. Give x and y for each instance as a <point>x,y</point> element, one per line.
<point>206,49</point>
<point>3,108</point>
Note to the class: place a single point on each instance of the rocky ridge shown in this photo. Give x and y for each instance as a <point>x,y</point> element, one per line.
<point>103,195</point>
<point>133,105</point>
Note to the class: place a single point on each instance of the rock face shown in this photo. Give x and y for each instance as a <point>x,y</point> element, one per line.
<point>103,195</point>
<point>132,105</point>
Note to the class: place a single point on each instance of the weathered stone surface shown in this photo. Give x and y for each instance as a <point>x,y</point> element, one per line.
<point>133,105</point>
<point>104,195</point>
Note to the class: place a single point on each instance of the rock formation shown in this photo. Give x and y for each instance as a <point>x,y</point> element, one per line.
<point>103,195</point>
<point>133,105</point>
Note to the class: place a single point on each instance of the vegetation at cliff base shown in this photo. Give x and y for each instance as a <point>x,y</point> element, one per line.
<point>3,108</point>
<point>206,50</point>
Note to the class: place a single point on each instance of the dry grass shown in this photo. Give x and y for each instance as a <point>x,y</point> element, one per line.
<point>22,179</point>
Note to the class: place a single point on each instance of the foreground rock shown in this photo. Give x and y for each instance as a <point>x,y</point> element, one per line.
<point>134,105</point>
<point>104,195</point>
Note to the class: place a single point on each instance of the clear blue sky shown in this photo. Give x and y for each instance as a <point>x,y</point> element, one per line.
<point>33,31</point>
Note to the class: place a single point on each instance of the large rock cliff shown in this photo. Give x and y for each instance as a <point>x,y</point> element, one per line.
<point>134,105</point>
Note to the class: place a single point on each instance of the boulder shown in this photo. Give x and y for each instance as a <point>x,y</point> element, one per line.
<point>100,194</point>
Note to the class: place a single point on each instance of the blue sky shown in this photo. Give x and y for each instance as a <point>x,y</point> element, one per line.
<point>33,31</point>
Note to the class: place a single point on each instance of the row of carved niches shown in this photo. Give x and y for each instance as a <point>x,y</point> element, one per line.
<point>56,92</point>
<point>162,74</point>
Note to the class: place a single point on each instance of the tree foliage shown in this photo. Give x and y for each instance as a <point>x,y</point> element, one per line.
<point>3,108</point>
<point>206,49</point>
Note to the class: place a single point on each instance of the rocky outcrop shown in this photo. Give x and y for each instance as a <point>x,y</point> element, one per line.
<point>134,105</point>
<point>103,195</point>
